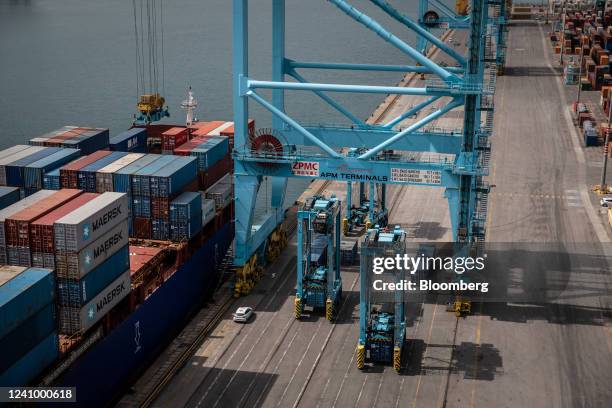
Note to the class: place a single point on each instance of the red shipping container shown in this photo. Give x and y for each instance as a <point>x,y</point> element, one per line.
<point>214,173</point>
<point>203,128</point>
<point>69,173</point>
<point>17,227</point>
<point>185,149</point>
<point>41,230</point>
<point>174,137</point>
<point>142,227</point>
<point>160,207</point>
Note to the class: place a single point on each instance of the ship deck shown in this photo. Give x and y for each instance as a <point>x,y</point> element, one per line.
<point>553,353</point>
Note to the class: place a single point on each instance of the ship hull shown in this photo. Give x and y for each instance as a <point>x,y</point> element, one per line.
<point>100,375</point>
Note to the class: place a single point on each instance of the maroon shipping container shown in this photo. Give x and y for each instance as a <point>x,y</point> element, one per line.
<point>214,173</point>
<point>69,173</point>
<point>17,227</point>
<point>174,137</point>
<point>160,207</point>
<point>186,148</point>
<point>41,230</point>
<point>142,227</point>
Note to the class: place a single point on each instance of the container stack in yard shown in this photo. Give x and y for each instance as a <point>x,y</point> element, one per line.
<point>27,323</point>
<point>8,196</point>
<point>17,226</point>
<point>11,167</point>
<point>92,260</point>
<point>133,141</point>
<point>88,140</point>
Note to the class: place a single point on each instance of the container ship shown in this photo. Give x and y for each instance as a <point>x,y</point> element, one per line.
<point>108,246</point>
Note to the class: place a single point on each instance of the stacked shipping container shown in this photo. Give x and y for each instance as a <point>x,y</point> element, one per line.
<point>133,140</point>
<point>87,175</point>
<point>13,209</point>
<point>42,243</point>
<point>92,261</point>
<point>8,196</point>
<point>88,140</point>
<point>173,138</point>
<point>69,174</point>
<point>27,323</point>
<point>17,226</point>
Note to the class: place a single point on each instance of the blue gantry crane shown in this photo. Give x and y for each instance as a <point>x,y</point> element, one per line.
<point>319,284</point>
<point>382,316</point>
<point>358,152</point>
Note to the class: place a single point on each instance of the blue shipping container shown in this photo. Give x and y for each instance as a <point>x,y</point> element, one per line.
<point>185,229</point>
<point>122,178</point>
<point>160,229</point>
<point>170,180</point>
<point>77,292</point>
<point>8,196</point>
<point>15,170</point>
<point>32,364</point>
<point>86,177</point>
<point>186,206</point>
<point>90,141</point>
<point>26,336</point>
<point>34,172</point>
<point>141,206</point>
<point>210,151</point>
<point>23,296</point>
<point>133,140</point>
<point>51,180</point>
<point>141,180</point>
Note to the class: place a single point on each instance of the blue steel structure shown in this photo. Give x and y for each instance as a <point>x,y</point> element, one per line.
<point>382,322</point>
<point>320,151</point>
<point>319,284</point>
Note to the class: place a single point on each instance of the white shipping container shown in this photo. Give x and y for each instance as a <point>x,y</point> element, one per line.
<point>86,224</point>
<point>217,131</point>
<point>76,265</point>
<point>221,192</point>
<point>104,176</point>
<point>8,272</point>
<point>13,158</point>
<point>72,320</point>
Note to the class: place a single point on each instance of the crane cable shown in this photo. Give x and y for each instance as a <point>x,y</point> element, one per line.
<point>148,49</point>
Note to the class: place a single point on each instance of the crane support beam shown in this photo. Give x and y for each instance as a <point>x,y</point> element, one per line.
<point>436,172</point>
<point>446,142</point>
<point>402,18</point>
<point>366,67</point>
<point>439,88</point>
<point>392,39</point>
<point>333,103</point>
<point>292,123</point>
<point>415,126</point>
<point>411,112</point>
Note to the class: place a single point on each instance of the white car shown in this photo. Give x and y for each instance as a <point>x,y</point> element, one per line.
<point>242,314</point>
<point>606,202</point>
